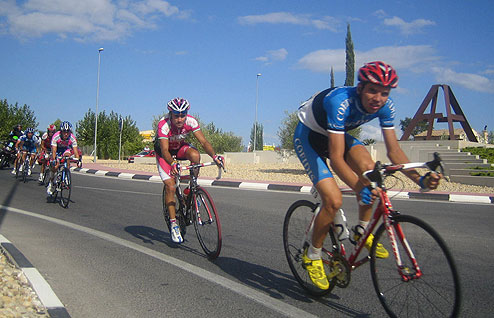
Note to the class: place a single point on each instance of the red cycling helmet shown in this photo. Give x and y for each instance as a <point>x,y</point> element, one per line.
<point>52,128</point>
<point>178,105</point>
<point>378,73</point>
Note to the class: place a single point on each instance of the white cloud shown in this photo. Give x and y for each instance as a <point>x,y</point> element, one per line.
<point>406,28</point>
<point>471,81</point>
<point>84,20</point>
<point>398,56</point>
<point>324,23</point>
<point>273,55</point>
<point>414,58</point>
<point>371,132</point>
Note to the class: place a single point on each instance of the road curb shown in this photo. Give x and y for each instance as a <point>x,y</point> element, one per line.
<point>45,293</point>
<point>464,198</point>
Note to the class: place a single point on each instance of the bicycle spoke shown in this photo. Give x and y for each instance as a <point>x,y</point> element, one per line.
<point>207,223</point>
<point>436,293</point>
<point>296,222</point>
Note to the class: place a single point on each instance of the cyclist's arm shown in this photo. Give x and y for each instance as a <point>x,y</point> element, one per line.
<point>54,152</point>
<point>19,144</point>
<point>204,143</point>
<point>165,152</point>
<point>336,147</point>
<point>396,154</point>
<point>76,152</point>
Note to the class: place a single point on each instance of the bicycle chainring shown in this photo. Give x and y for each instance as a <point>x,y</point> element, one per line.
<point>339,264</point>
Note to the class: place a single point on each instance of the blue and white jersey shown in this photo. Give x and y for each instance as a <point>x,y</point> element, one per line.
<point>337,110</point>
<point>30,143</point>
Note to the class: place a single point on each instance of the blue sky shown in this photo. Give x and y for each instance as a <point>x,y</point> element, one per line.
<point>210,52</point>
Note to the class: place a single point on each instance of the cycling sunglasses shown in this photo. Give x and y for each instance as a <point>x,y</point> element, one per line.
<point>179,114</point>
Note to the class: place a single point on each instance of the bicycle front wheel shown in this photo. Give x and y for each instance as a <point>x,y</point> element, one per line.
<point>297,220</point>
<point>25,169</point>
<point>206,223</point>
<point>65,188</point>
<point>436,293</point>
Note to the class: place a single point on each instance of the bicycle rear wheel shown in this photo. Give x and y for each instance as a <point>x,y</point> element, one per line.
<point>297,220</point>
<point>179,215</point>
<point>206,223</point>
<point>65,188</point>
<point>436,293</point>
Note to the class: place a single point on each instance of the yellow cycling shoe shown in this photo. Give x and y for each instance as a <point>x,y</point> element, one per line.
<point>358,230</point>
<point>381,252</point>
<point>316,272</point>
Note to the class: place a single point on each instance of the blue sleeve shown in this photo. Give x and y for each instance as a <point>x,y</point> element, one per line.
<point>387,114</point>
<point>337,111</point>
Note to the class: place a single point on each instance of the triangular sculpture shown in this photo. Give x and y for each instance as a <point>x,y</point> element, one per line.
<point>451,103</point>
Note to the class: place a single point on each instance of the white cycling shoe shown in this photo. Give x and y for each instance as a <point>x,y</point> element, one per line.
<point>175,233</point>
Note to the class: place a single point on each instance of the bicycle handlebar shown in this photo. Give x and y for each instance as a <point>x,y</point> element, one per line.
<point>200,165</point>
<point>375,176</point>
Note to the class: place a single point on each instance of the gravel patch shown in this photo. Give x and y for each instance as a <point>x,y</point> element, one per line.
<point>294,173</point>
<point>17,297</point>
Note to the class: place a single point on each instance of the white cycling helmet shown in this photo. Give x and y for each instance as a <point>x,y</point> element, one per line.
<point>178,105</point>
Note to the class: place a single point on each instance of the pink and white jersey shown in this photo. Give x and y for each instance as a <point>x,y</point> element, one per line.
<point>176,137</point>
<point>58,142</point>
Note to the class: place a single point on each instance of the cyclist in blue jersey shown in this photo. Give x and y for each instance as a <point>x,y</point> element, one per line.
<point>27,143</point>
<point>322,133</point>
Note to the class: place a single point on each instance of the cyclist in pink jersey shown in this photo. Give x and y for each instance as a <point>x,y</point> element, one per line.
<point>170,146</point>
<point>63,144</point>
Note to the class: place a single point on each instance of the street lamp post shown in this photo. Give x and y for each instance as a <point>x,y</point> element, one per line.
<point>97,100</point>
<point>257,101</point>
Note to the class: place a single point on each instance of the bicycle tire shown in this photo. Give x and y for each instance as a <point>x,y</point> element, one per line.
<point>25,170</point>
<point>297,218</point>
<point>3,161</point>
<point>206,223</point>
<point>437,293</point>
<point>179,214</point>
<point>46,176</point>
<point>65,188</point>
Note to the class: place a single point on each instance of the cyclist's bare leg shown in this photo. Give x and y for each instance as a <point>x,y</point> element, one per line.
<point>194,157</point>
<point>359,159</point>
<point>170,197</point>
<point>331,201</point>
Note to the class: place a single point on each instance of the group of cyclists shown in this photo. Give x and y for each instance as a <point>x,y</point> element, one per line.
<point>47,149</point>
<point>321,135</point>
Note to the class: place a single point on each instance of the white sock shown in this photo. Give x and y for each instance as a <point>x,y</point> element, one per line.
<point>314,253</point>
<point>363,223</point>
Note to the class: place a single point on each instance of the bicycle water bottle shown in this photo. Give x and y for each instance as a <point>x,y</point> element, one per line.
<point>340,225</point>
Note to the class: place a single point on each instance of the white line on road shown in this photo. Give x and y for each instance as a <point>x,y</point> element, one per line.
<point>250,293</point>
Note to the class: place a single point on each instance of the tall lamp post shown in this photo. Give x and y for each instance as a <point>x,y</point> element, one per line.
<point>257,101</point>
<point>97,100</point>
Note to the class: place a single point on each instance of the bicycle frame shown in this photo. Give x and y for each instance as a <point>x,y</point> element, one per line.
<point>193,186</point>
<point>384,210</point>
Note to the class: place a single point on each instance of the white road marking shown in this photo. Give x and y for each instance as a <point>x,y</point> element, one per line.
<point>248,292</point>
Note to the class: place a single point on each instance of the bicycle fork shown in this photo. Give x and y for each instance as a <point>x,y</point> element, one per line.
<point>394,231</point>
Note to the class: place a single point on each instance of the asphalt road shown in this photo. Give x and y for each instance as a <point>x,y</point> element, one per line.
<point>109,254</point>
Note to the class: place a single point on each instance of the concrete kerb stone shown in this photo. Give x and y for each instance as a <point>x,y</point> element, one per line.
<point>45,293</point>
<point>465,198</point>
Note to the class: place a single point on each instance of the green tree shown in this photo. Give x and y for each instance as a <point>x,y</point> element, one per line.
<point>109,134</point>
<point>287,129</point>
<point>421,126</point>
<point>11,115</point>
<point>356,132</point>
<point>332,77</point>
<point>350,58</point>
<point>369,141</point>
<point>490,138</point>
<point>259,138</point>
